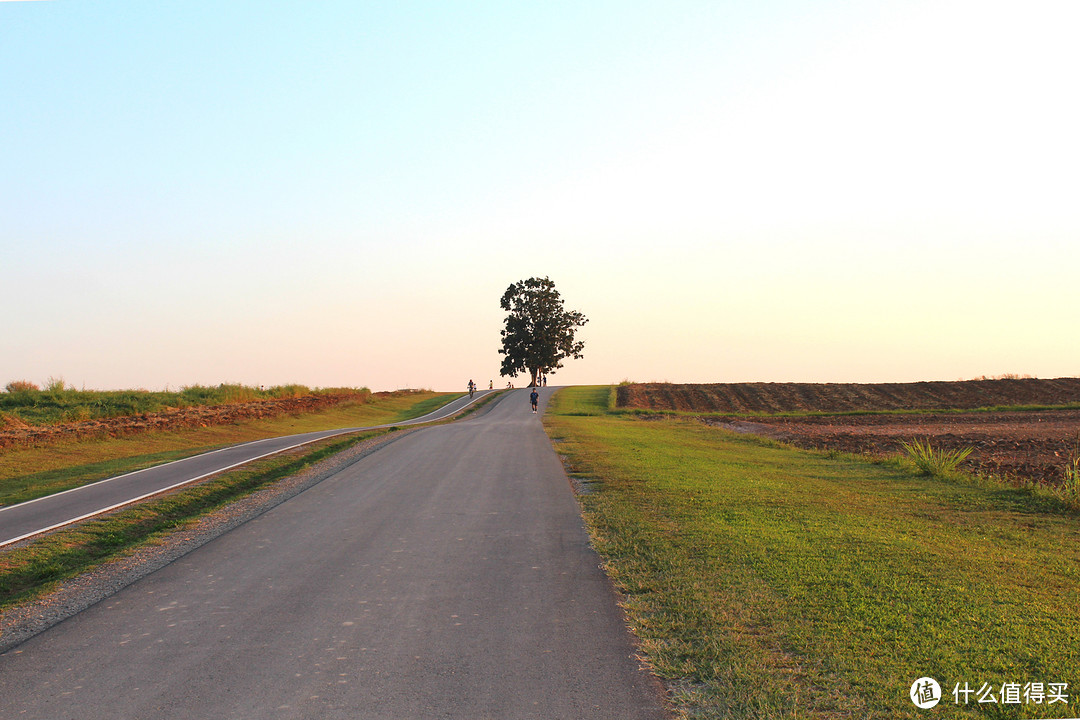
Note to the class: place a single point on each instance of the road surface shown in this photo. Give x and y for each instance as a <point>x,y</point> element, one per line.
<point>446,575</point>
<point>22,521</point>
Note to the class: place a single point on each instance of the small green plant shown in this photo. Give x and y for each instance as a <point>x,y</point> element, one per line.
<point>1072,477</point>
<point>1070,481</point>
<point>933,461</point>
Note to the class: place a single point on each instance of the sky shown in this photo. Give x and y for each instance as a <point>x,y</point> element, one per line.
<point>338,193</point>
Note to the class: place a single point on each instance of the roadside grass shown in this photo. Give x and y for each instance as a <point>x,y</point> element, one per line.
<point>28,473</point>
<point>30,571</point>
<point>59,403</point>
<point>481,404</point>
<point>427,403</point>
<point>769,582</point>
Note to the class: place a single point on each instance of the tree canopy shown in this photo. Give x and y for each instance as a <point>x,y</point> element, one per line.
<point>539,331</point>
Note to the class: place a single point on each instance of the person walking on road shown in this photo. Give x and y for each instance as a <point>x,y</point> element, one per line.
<point>534,398</point>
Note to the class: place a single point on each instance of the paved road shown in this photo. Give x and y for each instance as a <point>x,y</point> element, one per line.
<point>18,522</point>
<point>446,575</point>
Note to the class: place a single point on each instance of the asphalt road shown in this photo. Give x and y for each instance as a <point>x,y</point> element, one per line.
<point>18,522</point>
<point>446,575</point>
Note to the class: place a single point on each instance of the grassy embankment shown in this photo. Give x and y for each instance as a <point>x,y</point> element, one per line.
<point>29,571</point>
<point>58,403</point>
<point>771,582</point>
<point>27,473</point>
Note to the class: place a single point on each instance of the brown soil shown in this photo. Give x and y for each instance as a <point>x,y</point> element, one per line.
<point>740,398</point>
<point>15,434</point>
<point>1031,444</point>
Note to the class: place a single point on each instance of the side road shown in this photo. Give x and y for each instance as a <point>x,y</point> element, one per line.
<point>19,522</point>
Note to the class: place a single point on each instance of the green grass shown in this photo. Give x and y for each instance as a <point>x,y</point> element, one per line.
<point>27,473</point>
<point>427,403</point>
<point>770,582</point>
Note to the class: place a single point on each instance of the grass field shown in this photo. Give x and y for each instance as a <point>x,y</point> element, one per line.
<point>26,473</point>
<point>769,582</point>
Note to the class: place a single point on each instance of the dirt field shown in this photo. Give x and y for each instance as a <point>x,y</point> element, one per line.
<point>1031,444</point>
<point>742,398</point>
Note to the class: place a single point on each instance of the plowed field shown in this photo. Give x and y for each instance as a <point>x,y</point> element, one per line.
<point>1029,444</point>
<point>744,398</point>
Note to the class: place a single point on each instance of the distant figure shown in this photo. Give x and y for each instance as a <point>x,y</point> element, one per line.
<point>534,398</point>
<point>472,388</point>
<point>491,384</point>
<point>545,381</point>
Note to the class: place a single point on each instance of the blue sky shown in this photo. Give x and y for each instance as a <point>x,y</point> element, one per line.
<point>337,193</point>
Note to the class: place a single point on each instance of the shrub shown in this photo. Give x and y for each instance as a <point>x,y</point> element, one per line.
<point>223,393</point>
<point>16,386</point>
<point>931,461</point>
<point>1071,484</point>
<point>289,391</point>
<point>1070,480</point>
<point>76,414</point>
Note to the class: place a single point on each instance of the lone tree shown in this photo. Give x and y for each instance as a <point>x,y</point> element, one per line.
<point>539,332</point>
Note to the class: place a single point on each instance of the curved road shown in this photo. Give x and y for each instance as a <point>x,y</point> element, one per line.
<point>446,575</point>
<point>18,522</point>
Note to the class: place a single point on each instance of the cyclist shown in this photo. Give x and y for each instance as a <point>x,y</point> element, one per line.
<point>472,388</point>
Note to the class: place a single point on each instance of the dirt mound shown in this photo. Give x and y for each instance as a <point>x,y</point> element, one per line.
<point>10,422</point>
<point>23,435</point>
<point>744,398</point>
